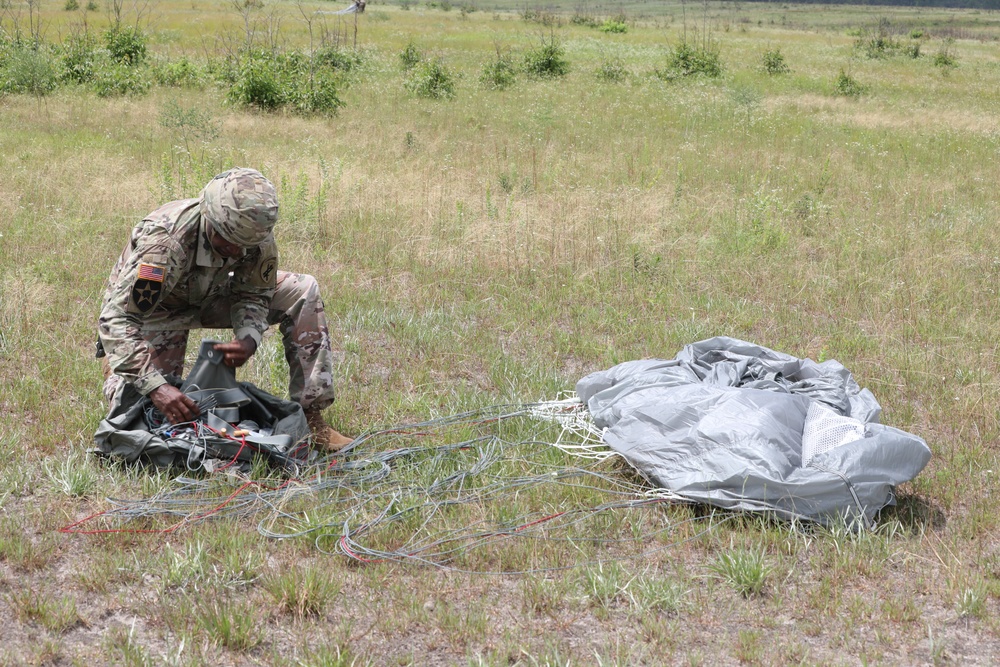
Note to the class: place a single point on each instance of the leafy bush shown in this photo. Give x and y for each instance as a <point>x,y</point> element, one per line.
<point>773,62</point>
<point>847,86</point>
<point>181,73</point>
<point>316,95</point>
<point>690,60</point>
<point>410,56</point>
<point>257,84</point>
<point>28,70</point>
<point>270,81</point>
<point>945,57</point>
<point>912,50</point>
<point>114,79</point>
<point>613,26</point>
<point>916,33</point>
<point>71,5</point>
<point>432,79</point>
<point>499,74</point>
<point>877,41</point>
<point>338,59</point>
<point>126,45</point>
<point>612,70</point>
<point>547,60</point>
<point>80,58</point>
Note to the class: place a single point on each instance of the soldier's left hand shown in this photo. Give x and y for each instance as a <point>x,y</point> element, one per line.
<point>237,353</point>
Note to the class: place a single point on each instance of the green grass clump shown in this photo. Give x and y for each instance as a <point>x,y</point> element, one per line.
<point>302,591</point>
<point>744,570</point>
<point>54,614</point>
<point>73,476</point>
<point>236,625</point>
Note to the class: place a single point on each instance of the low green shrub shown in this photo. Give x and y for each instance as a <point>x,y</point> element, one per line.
<point>773,62</point>
<point>877,41</point>
<point>410,56</point>
<point>846,85</point>
<point>499,74</point>
<point>432,79</point>
<point>180,73</point>
<point>547,61</point>
<point>257,84</point>
<point>344,60</point>
<point>690,60</point>
<point>29,70</point>
<point>114,79</point>
<point>319,94</point>
<point>270,81</point>
<point>127,45</point>
<point>613,26</point>
<point>80,57</point>
<point>945,56</point>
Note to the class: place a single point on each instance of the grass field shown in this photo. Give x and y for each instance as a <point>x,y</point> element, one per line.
<point>494,247</point>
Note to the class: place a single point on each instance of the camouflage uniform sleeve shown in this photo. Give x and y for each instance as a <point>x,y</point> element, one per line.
<point>254,281</point>
<point>145,277</point>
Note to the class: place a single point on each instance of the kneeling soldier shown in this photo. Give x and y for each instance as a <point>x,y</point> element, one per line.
<point>211,262</point>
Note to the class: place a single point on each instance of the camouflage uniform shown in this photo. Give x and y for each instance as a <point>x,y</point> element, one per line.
<point>169,280</point>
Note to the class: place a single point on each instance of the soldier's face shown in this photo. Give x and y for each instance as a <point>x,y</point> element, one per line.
<point>223,247</point>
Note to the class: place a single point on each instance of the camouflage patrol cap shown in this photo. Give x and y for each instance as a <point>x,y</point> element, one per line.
<point>241,205</point>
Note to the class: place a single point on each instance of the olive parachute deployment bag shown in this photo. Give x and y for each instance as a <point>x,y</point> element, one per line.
<point>238,422</point>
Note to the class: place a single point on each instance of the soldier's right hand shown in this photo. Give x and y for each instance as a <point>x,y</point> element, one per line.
<point>175,405</point>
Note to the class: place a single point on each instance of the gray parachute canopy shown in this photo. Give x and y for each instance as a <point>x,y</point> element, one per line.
<point>739,426</point>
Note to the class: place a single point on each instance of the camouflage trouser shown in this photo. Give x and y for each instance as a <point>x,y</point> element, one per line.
<point>296,308</point>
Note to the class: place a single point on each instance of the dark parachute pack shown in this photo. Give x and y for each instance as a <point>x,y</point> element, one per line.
<point>238,423</point>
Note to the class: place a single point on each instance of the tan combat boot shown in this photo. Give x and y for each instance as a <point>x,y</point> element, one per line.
<point>324,437</point>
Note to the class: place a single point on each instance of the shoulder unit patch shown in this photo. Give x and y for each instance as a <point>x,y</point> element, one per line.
<point>147,288</point>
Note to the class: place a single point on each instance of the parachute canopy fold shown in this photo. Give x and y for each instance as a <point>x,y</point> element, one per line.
<point>743,427</point>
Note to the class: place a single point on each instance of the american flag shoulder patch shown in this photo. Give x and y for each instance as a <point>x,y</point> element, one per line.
<point>151,272</point>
